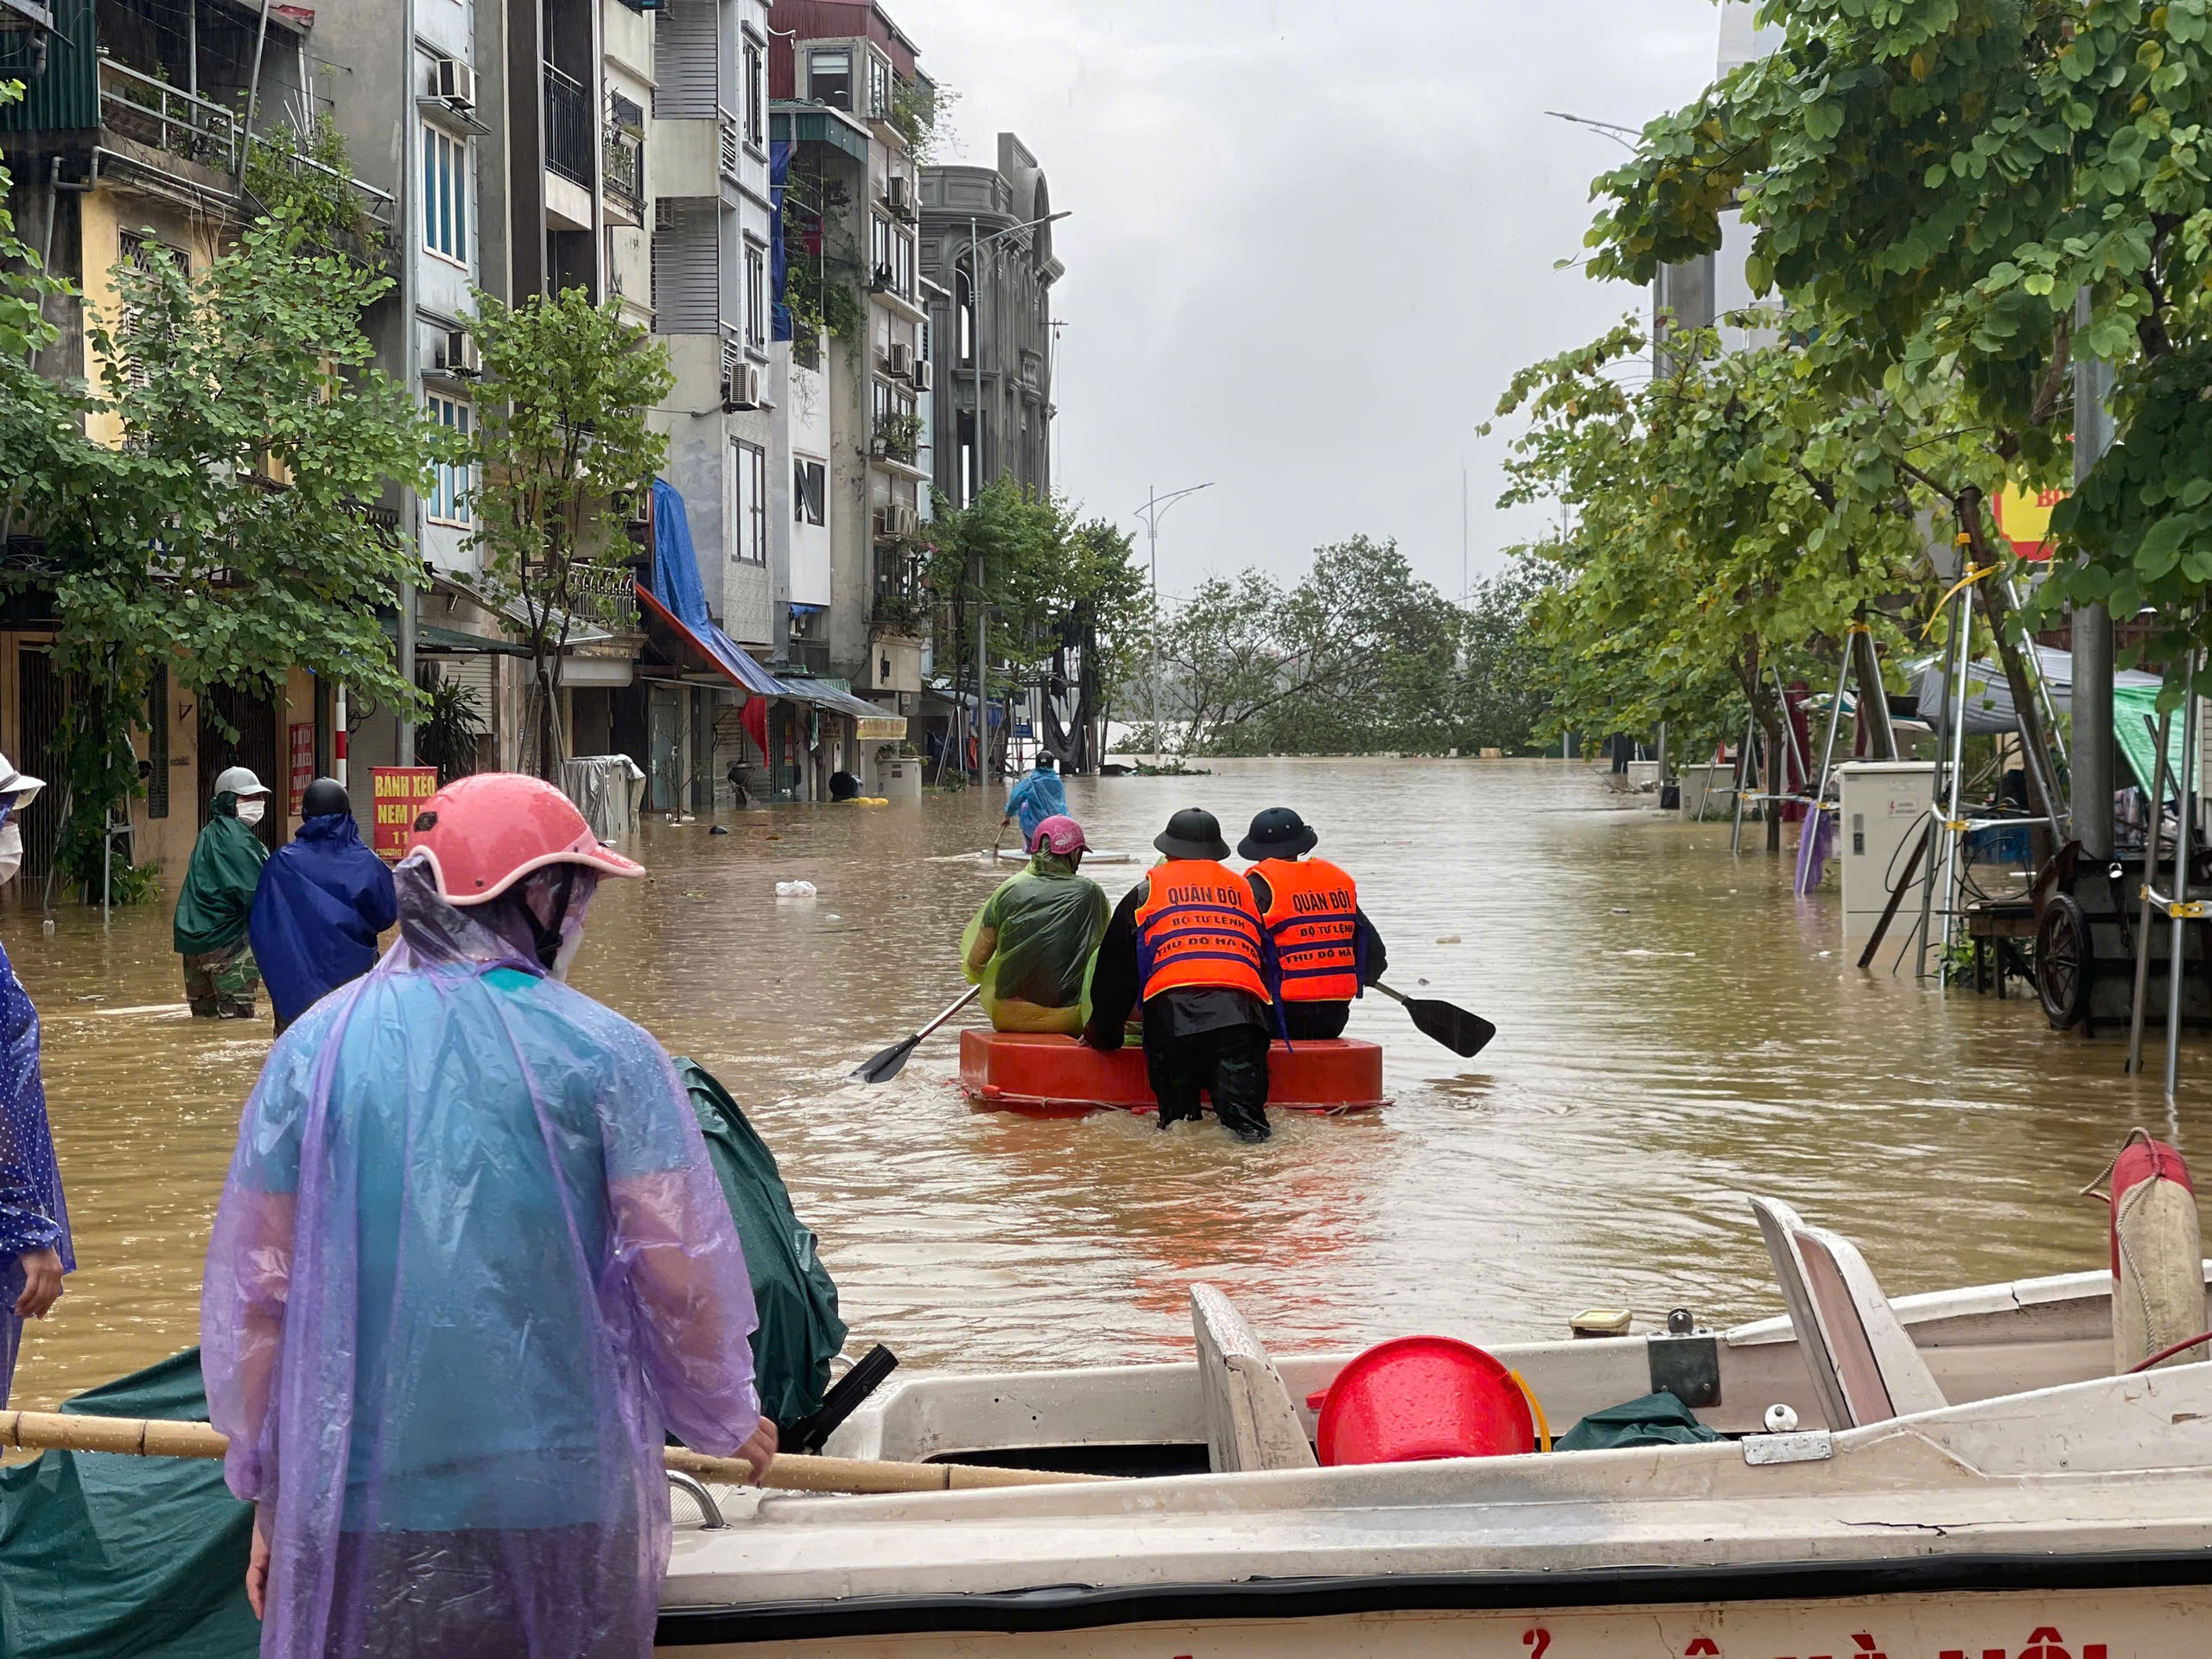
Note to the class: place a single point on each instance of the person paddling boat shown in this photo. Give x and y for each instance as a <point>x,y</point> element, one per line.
<point>1324,952</point>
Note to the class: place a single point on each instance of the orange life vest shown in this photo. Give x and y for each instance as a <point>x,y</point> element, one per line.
<point>1198,929</point>
<point>1312,922</point>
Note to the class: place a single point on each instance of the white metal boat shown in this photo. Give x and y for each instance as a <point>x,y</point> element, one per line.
<point>1967,1482</point>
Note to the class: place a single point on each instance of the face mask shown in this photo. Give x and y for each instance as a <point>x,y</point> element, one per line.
<point>251,812</point>
<point>11,852</point>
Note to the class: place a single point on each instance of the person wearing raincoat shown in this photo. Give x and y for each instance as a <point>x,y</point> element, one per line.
<point>35,1248</point>
<point>323,899</point>
<point>1040,796</point>
<point>220,971</point>
<point>471,1266</point>
<point>1030,946</point>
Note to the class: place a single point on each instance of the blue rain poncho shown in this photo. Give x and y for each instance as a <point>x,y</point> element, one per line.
<point>323,899</point>
<point>1040,796</point>
<point>32,1215</point>
<point>471,1265</point>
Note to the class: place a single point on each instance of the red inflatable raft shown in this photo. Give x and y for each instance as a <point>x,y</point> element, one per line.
<point>1057,1076</point>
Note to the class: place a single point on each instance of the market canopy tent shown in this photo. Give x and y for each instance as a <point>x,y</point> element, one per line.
<point>1989,698</point>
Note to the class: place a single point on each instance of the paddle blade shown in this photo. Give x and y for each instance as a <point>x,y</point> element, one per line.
<point>1465,1035</point>
<point>890,1063</point>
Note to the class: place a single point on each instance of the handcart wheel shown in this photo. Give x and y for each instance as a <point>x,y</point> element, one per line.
<point>2063,947</point>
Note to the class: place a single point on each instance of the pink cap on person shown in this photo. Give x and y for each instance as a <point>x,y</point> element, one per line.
<point>1060,835</point>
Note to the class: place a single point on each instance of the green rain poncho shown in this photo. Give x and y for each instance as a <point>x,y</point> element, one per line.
<point>1049,921</point>
<point>219,883</point>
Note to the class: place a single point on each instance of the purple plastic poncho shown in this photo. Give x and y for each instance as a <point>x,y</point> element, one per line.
<point>470,1263</point>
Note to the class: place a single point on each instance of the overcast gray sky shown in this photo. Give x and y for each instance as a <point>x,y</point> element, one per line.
<point>1311,242</point>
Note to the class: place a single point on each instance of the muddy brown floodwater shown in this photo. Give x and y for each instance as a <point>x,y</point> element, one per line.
<point>1675,1031</point>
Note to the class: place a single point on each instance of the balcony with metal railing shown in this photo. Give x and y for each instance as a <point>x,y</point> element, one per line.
<point>167,118</point>
<point>568,137</point>
<point>625,161</point>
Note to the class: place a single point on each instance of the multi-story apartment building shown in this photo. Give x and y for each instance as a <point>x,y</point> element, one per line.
<point>132,144</point>
<point>847,94</point>
<point>987,244</point>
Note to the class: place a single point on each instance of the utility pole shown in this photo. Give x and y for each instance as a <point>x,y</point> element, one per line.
<point>1156,504</point>
<point>2092,759</point>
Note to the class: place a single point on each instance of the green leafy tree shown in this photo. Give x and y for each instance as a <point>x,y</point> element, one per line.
<point>560,447</point>
<point>225,532</point>
<point>1505,679</point>
<point>1732,524</point>
<point>1930,184</point>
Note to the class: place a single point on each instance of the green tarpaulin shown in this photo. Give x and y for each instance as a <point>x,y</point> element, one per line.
<point>104,1557</point>
<point>111,1557</point>
<point>800,1331</point>
<point>1656,1420</point>
<point>2131,708</point>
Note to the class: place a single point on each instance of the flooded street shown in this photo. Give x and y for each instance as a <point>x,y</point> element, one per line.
<point>1672,1035</point>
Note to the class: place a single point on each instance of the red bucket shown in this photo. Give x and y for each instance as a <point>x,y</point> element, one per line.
<point>1420,1398</point>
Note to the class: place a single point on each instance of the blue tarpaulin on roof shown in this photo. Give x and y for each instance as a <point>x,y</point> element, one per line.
<point>679,597</point>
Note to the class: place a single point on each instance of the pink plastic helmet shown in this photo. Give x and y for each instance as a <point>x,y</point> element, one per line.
<point>483,834</point>
<point>1060,835</point>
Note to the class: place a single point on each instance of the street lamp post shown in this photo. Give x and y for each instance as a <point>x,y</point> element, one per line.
<point>1156,504</point>
<point>972,487</point>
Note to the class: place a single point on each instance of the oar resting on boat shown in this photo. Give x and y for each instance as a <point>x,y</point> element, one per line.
<point>42,1430</point>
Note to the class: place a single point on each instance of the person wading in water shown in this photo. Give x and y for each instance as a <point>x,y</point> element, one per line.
<point>1185,942</point>
<point>322,900</point>
<point>212,908</point>
<point>471,1266</point>
<point>1323,949</point>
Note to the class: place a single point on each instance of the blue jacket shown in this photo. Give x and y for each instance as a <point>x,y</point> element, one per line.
<point>1035,798</point>
<point>32,1216</point>
<point>322,902</point>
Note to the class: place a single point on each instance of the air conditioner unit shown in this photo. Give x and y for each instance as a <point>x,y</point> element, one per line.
<point>741,387</point>
<point>902,363</point>
<point>924,375</point>
<point>454,352</point>
<point>894,522</point>
<point>453,81</point>
<point>898,192</point>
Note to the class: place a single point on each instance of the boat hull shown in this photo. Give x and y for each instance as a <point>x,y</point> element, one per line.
<point>1057,1076</point>
<point>2150,1621</point>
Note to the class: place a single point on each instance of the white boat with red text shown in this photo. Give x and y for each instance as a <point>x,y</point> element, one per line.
<point>1964,1478</point>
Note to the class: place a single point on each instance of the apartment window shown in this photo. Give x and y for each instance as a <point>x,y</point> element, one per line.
<point>809,491</point>
<point>963,307</point>
<point>878,247</point>
<point>756,296</point>
<point>749,463</point>
<point>448,501</point>
<point>879,88</point>
<point>892,401</point>
<point>756,97</point>
<point>445,195</point>
<point>902,263</point>
<point>830,79</point>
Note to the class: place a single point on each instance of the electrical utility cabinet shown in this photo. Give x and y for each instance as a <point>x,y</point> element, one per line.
<point>1886,806</point>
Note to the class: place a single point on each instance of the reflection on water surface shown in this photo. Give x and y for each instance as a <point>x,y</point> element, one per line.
<point>1671,1036</point>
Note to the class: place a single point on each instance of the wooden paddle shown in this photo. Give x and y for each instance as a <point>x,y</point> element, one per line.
<point>892,1060</point>
<point>39,1431</point>
<point>1465,1035</point>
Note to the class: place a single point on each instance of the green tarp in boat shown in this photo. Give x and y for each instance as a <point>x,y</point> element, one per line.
<point>1654,1420</point>
<point>110,1557</point>
<point>800,1332</point>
